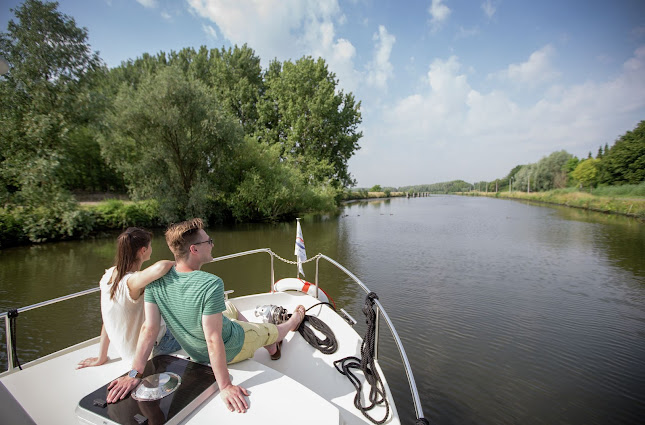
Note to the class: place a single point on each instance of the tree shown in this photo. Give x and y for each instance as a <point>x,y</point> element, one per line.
<point>625,161</point>
<point>43,102</point>
<point>173,141</point>
<point>236,76</point>
<point>42,99</point>
<point>315,125</point>
<point>549,174</point>
<point>271,189</point>
<point>376,188</point>
<point>586,172</point>
<point>568,168</point>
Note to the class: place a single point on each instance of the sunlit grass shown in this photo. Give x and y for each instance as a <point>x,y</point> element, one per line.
<point>615,200</point>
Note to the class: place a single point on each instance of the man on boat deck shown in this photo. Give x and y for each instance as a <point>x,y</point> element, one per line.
<point>207,328</point>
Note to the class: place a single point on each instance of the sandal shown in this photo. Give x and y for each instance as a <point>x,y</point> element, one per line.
<point>277,354</point>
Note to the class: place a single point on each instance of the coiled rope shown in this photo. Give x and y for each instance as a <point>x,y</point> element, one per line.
<point>329,345</point>
<point>366,364</point>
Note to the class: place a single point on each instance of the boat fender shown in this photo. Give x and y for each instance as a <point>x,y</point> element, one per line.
<point>297,284</point>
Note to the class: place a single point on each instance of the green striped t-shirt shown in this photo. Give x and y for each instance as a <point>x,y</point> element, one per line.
<point>183,298</point>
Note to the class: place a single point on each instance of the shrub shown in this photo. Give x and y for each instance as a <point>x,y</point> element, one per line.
<point>115,214</point>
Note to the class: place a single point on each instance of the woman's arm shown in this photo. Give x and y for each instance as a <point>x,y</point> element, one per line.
<point>138,281</point>
<point>103,349</point>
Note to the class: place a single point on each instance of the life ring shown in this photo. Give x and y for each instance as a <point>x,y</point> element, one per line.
<point>301,285</point>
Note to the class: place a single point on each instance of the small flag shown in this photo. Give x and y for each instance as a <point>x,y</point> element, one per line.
<point>300,252</point>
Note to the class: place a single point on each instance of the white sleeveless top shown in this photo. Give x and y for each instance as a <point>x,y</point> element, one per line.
<point>123,316</point>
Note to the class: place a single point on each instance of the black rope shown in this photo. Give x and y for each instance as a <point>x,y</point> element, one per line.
<point>366,364</point>
<point>329,345</point>
<point>13,315</point>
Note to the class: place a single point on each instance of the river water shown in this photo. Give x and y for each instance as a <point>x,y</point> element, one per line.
<point>509,312</point>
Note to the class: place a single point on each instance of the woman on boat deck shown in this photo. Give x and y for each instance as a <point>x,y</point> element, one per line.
<point>122,288</point>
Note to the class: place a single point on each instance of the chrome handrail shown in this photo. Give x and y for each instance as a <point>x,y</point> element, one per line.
<point>406,364</point>
<point>10,365</point>
<point>380,309</point>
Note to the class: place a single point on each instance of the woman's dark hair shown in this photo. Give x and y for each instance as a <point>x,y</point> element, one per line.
<point>127,245</point>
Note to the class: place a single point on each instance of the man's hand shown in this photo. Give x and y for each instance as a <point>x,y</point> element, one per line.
<point>233,398</point>
<point>120,388</point>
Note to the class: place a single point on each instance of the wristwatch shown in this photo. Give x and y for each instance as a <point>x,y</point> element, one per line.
<point>135,374</point>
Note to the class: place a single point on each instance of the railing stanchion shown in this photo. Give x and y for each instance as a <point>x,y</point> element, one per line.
<point>272,273</point>
<point>316,281</point>
<point>7,325</point>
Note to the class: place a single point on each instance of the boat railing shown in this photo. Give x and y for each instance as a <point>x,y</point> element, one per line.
<point>380,312</point>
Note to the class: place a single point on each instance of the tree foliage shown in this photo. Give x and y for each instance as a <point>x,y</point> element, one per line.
<point>42,98</point>
<point>173,141</point>
<point>624,163</point>
<point>314,124</point>
<point>586,172</point>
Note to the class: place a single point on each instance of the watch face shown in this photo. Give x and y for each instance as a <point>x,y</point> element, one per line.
<point>133,373</point>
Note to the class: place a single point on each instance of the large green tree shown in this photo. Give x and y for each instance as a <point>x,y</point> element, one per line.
<point>42,98</point>
<point>314,123</point>
<point>173,141</point>
<point>44,102</point>
<point>624,163</point>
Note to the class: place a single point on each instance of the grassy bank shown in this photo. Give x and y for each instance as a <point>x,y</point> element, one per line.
<point>606,201</point>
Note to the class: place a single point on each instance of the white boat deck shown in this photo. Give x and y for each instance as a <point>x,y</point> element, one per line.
<point>302,387</point>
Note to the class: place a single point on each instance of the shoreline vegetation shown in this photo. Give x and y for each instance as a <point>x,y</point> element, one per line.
<point>630,206</point>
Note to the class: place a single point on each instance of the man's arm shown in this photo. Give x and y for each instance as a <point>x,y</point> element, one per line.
<point>232,395</point>
<point>121,387</point>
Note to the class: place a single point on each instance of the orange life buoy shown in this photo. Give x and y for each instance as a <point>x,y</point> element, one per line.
<point>301,285</point>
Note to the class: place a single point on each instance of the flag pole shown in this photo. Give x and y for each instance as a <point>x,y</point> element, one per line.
<point>296,253</point>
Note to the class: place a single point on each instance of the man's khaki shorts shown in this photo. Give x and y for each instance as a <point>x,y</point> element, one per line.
<point>256,335</point>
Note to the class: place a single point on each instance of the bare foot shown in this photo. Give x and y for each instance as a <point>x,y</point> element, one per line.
<point>298,315</point>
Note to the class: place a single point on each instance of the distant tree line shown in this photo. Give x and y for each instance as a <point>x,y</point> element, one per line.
<point>622,163</point>
<point>203,132</point>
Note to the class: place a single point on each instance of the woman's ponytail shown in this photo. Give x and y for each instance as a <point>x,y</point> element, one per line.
<point>127,245</point>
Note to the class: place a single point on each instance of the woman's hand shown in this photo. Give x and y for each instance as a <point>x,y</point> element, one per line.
<point>90,362</point>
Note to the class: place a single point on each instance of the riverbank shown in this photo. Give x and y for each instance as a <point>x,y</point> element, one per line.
<point>363,194</point>
<point>631,207</point>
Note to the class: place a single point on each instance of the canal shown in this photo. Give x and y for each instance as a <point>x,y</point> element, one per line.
<point>509,312</point>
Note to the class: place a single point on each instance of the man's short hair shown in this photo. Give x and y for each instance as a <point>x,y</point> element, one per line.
<point>180,236</point>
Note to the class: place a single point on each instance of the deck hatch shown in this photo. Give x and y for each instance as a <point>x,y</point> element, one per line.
<point>197,384</point>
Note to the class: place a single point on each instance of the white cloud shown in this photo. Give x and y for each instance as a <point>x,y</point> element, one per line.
<point>489,8</point>
<point>466,32</point>
<point>536,70</point>
<point>439,12</point>
<point>148,3</point>
<point>166,16</point>
<point>285,29</point>
<point>450,130</point>
<point>210,31</point>
<point>380,69</point>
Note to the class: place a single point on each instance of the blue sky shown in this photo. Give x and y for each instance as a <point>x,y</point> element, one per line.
<point>449,89</point>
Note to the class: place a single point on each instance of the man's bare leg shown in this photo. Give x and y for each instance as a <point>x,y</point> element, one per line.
<point>290,325</point>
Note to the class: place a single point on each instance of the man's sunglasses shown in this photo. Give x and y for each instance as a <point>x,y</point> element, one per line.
<point>209,241</point>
